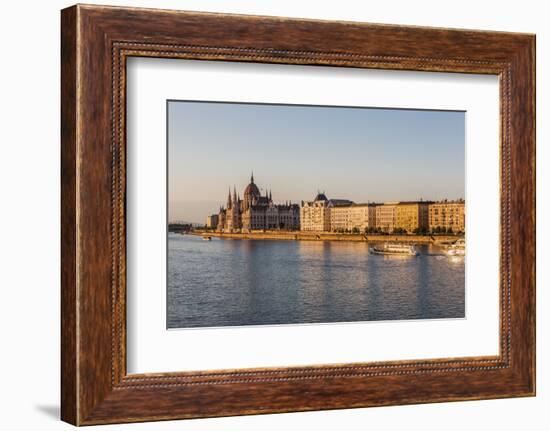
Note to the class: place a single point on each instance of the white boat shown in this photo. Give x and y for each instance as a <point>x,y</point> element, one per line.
<point>457,249</point>
<point>206,238</point>
<point>394,249</point>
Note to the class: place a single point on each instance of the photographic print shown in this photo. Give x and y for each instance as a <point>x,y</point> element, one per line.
<point>264,214</point>
<point>300,214</point>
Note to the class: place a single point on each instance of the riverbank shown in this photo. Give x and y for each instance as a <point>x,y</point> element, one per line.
<point>329,236</point>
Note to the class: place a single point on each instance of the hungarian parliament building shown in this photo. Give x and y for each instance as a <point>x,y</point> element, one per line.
<point>256,212</point>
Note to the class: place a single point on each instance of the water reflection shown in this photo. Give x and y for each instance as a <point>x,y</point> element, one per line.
<point>239,282</point>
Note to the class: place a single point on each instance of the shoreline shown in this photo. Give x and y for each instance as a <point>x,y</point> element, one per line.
<point>328,236</point>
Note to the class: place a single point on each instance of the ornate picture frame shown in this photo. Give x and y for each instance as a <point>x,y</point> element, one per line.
<point>96,41</point>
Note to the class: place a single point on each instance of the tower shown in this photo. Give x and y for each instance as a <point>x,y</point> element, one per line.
<point>235,212</point>
<point>229,199</point>
<point>251,195</point>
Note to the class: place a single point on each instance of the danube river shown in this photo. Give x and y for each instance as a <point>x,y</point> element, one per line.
<point>255,282</point>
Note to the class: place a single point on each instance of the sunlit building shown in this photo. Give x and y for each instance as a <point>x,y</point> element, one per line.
<point>352,217</point>
<point>386,216</point>
<point>447,216</point>
<point>256,212</point>
<point>316,215</point>
<point>212,221</point>
<point>340,218</point>
<point>409,217</point>
<point>412,217</point>
<point>362,216</point>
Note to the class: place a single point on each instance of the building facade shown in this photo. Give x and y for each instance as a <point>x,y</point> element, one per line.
<point>412,217</point>
<point>409,217</point>
<point>256,212</point>
<point>340,218</point>
<point>385,216</point>
<point>447,216</point>
<point>352,217</point>
<point>212,221</point>
<point>317,215</point>
<point>362,217</point>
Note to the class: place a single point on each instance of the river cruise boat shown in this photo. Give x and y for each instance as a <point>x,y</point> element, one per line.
<point>394,249</point>
<point>457,249</point>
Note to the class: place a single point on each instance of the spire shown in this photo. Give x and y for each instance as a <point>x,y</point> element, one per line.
<point>235,195</point>
<point>270,198</point>
<point>252,177</point>
<point>229,198</point>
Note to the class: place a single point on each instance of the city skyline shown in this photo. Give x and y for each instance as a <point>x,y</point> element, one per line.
<point>360,154</point>
<point>234,189</point>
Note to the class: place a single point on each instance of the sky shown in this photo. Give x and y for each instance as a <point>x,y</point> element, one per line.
<point>360,154</point>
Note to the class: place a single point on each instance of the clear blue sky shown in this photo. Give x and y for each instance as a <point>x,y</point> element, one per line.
<point>361,154</point>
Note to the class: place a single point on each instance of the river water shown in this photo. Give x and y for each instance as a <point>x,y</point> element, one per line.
<point>254,282</point>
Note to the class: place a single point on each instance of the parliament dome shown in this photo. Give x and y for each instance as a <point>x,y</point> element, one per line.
<point>252,190</point>
<point>251,193</point>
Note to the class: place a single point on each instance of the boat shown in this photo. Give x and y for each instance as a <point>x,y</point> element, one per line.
<point>457,249</point>
<point>394,249</point>
<point>207,238</point>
